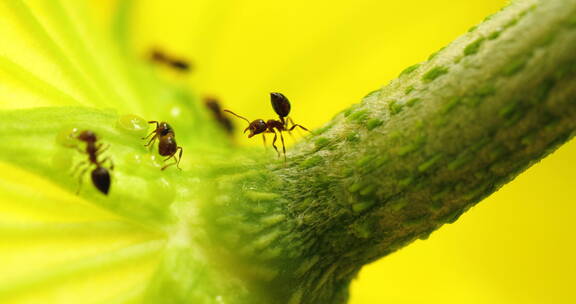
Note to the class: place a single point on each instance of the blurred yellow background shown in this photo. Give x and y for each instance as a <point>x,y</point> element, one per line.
<point>515,247</point>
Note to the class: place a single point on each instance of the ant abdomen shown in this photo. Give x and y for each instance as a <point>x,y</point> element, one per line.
<point>167,146</point>
<point>280,104</point>
<point>101,179</point>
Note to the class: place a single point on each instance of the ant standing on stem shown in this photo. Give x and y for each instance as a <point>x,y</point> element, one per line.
<point>167,142</point>
<point>100,175</point>
<point>281,106</point>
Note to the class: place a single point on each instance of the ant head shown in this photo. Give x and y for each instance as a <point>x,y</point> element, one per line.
<point>280,104</point>
<point>87,136</point>
<point>256,127</point>
<point>164,129</point>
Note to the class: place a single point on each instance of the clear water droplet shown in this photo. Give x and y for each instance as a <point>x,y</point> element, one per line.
<point>67,137</point>
<point>133,124</point>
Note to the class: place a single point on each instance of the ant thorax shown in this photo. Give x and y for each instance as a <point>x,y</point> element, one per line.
<point>275,124</point>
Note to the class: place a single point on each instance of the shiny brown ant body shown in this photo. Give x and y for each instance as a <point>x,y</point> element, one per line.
<point>166,142</point>
<point>100,175</point>
<point>281,106</point>
<point>176,63</point>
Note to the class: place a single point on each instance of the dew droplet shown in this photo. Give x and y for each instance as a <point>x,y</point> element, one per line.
<point>133,124</point>
<point>67,137</point>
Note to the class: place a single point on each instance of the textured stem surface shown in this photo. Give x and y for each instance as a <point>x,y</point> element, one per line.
<point>417,153</point>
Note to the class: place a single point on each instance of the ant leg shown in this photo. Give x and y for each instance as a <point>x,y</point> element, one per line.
<point>289,120</point>
<point>102,148</point>
<point>171,164</point>
<point>301,127</point>
<point>80,176</point>
<point>176,159</point>
<point>77,148</point>
<point>153,132</point>
<point>78,166</point>
<point>152,140</point>
<point>283,145</point>
<point>274,143</point>
<point>168,165</point>
<point>179,157</point>
<point>109,160</point>
<point>264,140</point>
<point>285,126</point>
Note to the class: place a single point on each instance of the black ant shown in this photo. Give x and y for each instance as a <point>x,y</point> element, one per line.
<point>214,106</point>
<point>281,106</point>
<point>167,142</point>
<point>100,175</point>
<point>176,63</point>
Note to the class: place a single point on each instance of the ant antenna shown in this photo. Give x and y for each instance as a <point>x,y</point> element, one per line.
<point>237,115</point>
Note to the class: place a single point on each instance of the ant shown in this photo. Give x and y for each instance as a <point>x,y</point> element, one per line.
<point>176,63</point>
<point>167,142</point>
<point>100,175</point>
<point>214,106</point>
<point>281,106</point>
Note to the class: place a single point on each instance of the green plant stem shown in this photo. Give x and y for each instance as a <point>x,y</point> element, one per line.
<point>397,166</point>
<point>411,157</point>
